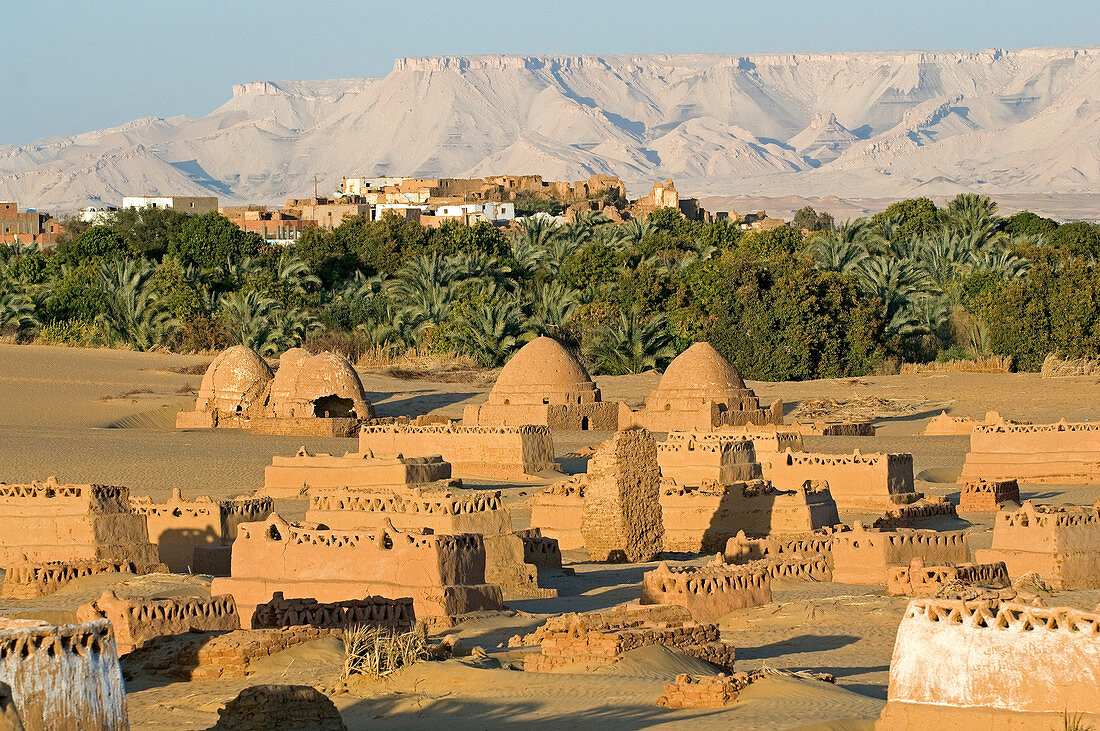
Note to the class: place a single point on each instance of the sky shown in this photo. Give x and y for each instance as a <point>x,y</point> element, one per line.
<point>72,66</point>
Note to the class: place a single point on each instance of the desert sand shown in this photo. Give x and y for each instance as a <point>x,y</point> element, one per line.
<point>107,416</point>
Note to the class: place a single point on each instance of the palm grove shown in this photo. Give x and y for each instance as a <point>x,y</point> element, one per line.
<point>912,283</point>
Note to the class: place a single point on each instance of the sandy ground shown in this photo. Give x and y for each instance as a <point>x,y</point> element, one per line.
<point>106,416</point>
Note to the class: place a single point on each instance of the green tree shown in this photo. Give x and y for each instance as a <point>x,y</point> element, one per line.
<point>1027,223</point>
<point>211,240</point>
<point>911,218</point>
<point>631,344</point>
<point>1080,238</point>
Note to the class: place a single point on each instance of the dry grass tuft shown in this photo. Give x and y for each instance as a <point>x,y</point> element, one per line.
<point>377,652</point>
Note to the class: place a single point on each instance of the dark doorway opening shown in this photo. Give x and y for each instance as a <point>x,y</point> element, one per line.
<point>334,407</point>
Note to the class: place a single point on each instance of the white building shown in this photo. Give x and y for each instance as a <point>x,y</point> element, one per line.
<point>185,204</point>
<point>491,211</point>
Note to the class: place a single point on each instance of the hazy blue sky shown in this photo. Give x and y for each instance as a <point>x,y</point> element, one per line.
<point>73,65</point>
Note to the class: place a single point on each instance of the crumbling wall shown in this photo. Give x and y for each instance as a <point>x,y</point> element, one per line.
<point>477,450</point>
<point>708,592</point>
<point>987,495</point>
<point>703,691</point>
<point>63,678</point>
<point>279,706</point>
<point>907,516</point>
<point>31,580</point>
<point>136,620</point>
<point>621,520</point>
<point>953,656</point>
<point>917,579</point>
<point>375,611</point>
<point>48,521</point>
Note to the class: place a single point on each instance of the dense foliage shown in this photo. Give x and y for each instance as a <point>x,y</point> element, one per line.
<point>914,282</point>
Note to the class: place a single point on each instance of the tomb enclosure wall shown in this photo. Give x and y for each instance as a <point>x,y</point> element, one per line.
<point>443,574</point>
<point>49,521</point>
<point>375,611</point>
<point>691,458</point>
<point>1061,544</point>
<point>980,495</point>
<point>32,580</point>
<point>63,678</point>
<point>477,450</point>
<point>708,592</point>
<point>177,527</point>
<point>863,556</point>
<point>557,512</point>
<point>920,580</point>
<point>971,662</point>
<point>304,470</point>
<point>1067,453</point>
<point>856,481</point>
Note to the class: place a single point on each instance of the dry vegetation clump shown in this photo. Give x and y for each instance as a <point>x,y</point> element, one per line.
<point>861,408</point>
<point>1057,367</point>
<point>377,652</point>
<point>415,364</point>
<point>988,364</point>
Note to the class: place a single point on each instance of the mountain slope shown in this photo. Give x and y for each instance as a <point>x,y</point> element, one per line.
<point>853,124</point>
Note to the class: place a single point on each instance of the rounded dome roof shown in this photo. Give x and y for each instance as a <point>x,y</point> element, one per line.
<point>234,373</point>
<point>303,378</point>
<point>700,372</point>
<point>541,369</point>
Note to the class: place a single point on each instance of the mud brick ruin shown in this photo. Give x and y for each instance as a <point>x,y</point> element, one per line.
<point>500,452</point>
<point>63,678</point>
<point>1064,453</point>
<point>703,691</point>
<point>692,458</point>
<point>233,391</point>
<point>702,519</point>
<point>136,620</point>
<point>556,512</point>
<point>279,706</point>
<point>701,390</point>
<point>31,580</point>
<point>799,557</point>
<point>707,592</point>
<point>201,656</point>
<point>47,521</point>
<point>179,527</point>
<point>443,574</point>
<point>907,516</point>
<point>601,638</point>
<point>953,425</point>
<point>916,579</point>
<point>310,395</point>
<point>544,384</point>
<point>987,495</point>
<point>863,556</point>
<point>1061,544</point>
<point>289,476</point>
<point>979,664</point>
<point>444,511</point>
<point>374,611</point>
<point>621,520</point>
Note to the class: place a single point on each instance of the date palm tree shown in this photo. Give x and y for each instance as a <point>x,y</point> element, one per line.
<point>631,344</point>
<point>132,313</point>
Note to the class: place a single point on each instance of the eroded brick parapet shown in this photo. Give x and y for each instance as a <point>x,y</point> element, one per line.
<point>1060,543</point>
<point>375,611</point>
<point>692,458</point>
<point>984,663</point>
<point>918,579</point>
<point>857,481</point>
<point>907,516</point>
<point>707,592</point>
<point>980,495</point>
<point>137,620</point>
<point>279,706</point>
<point>742,549</point>
<point>31,580</point>
<point>63,678</point>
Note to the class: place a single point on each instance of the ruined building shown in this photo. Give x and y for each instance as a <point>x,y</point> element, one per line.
<point>544,384</point>
<point>313,395</point>
<point>443,574</point>
<point>1062,453</point>
<point>290,476</point>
